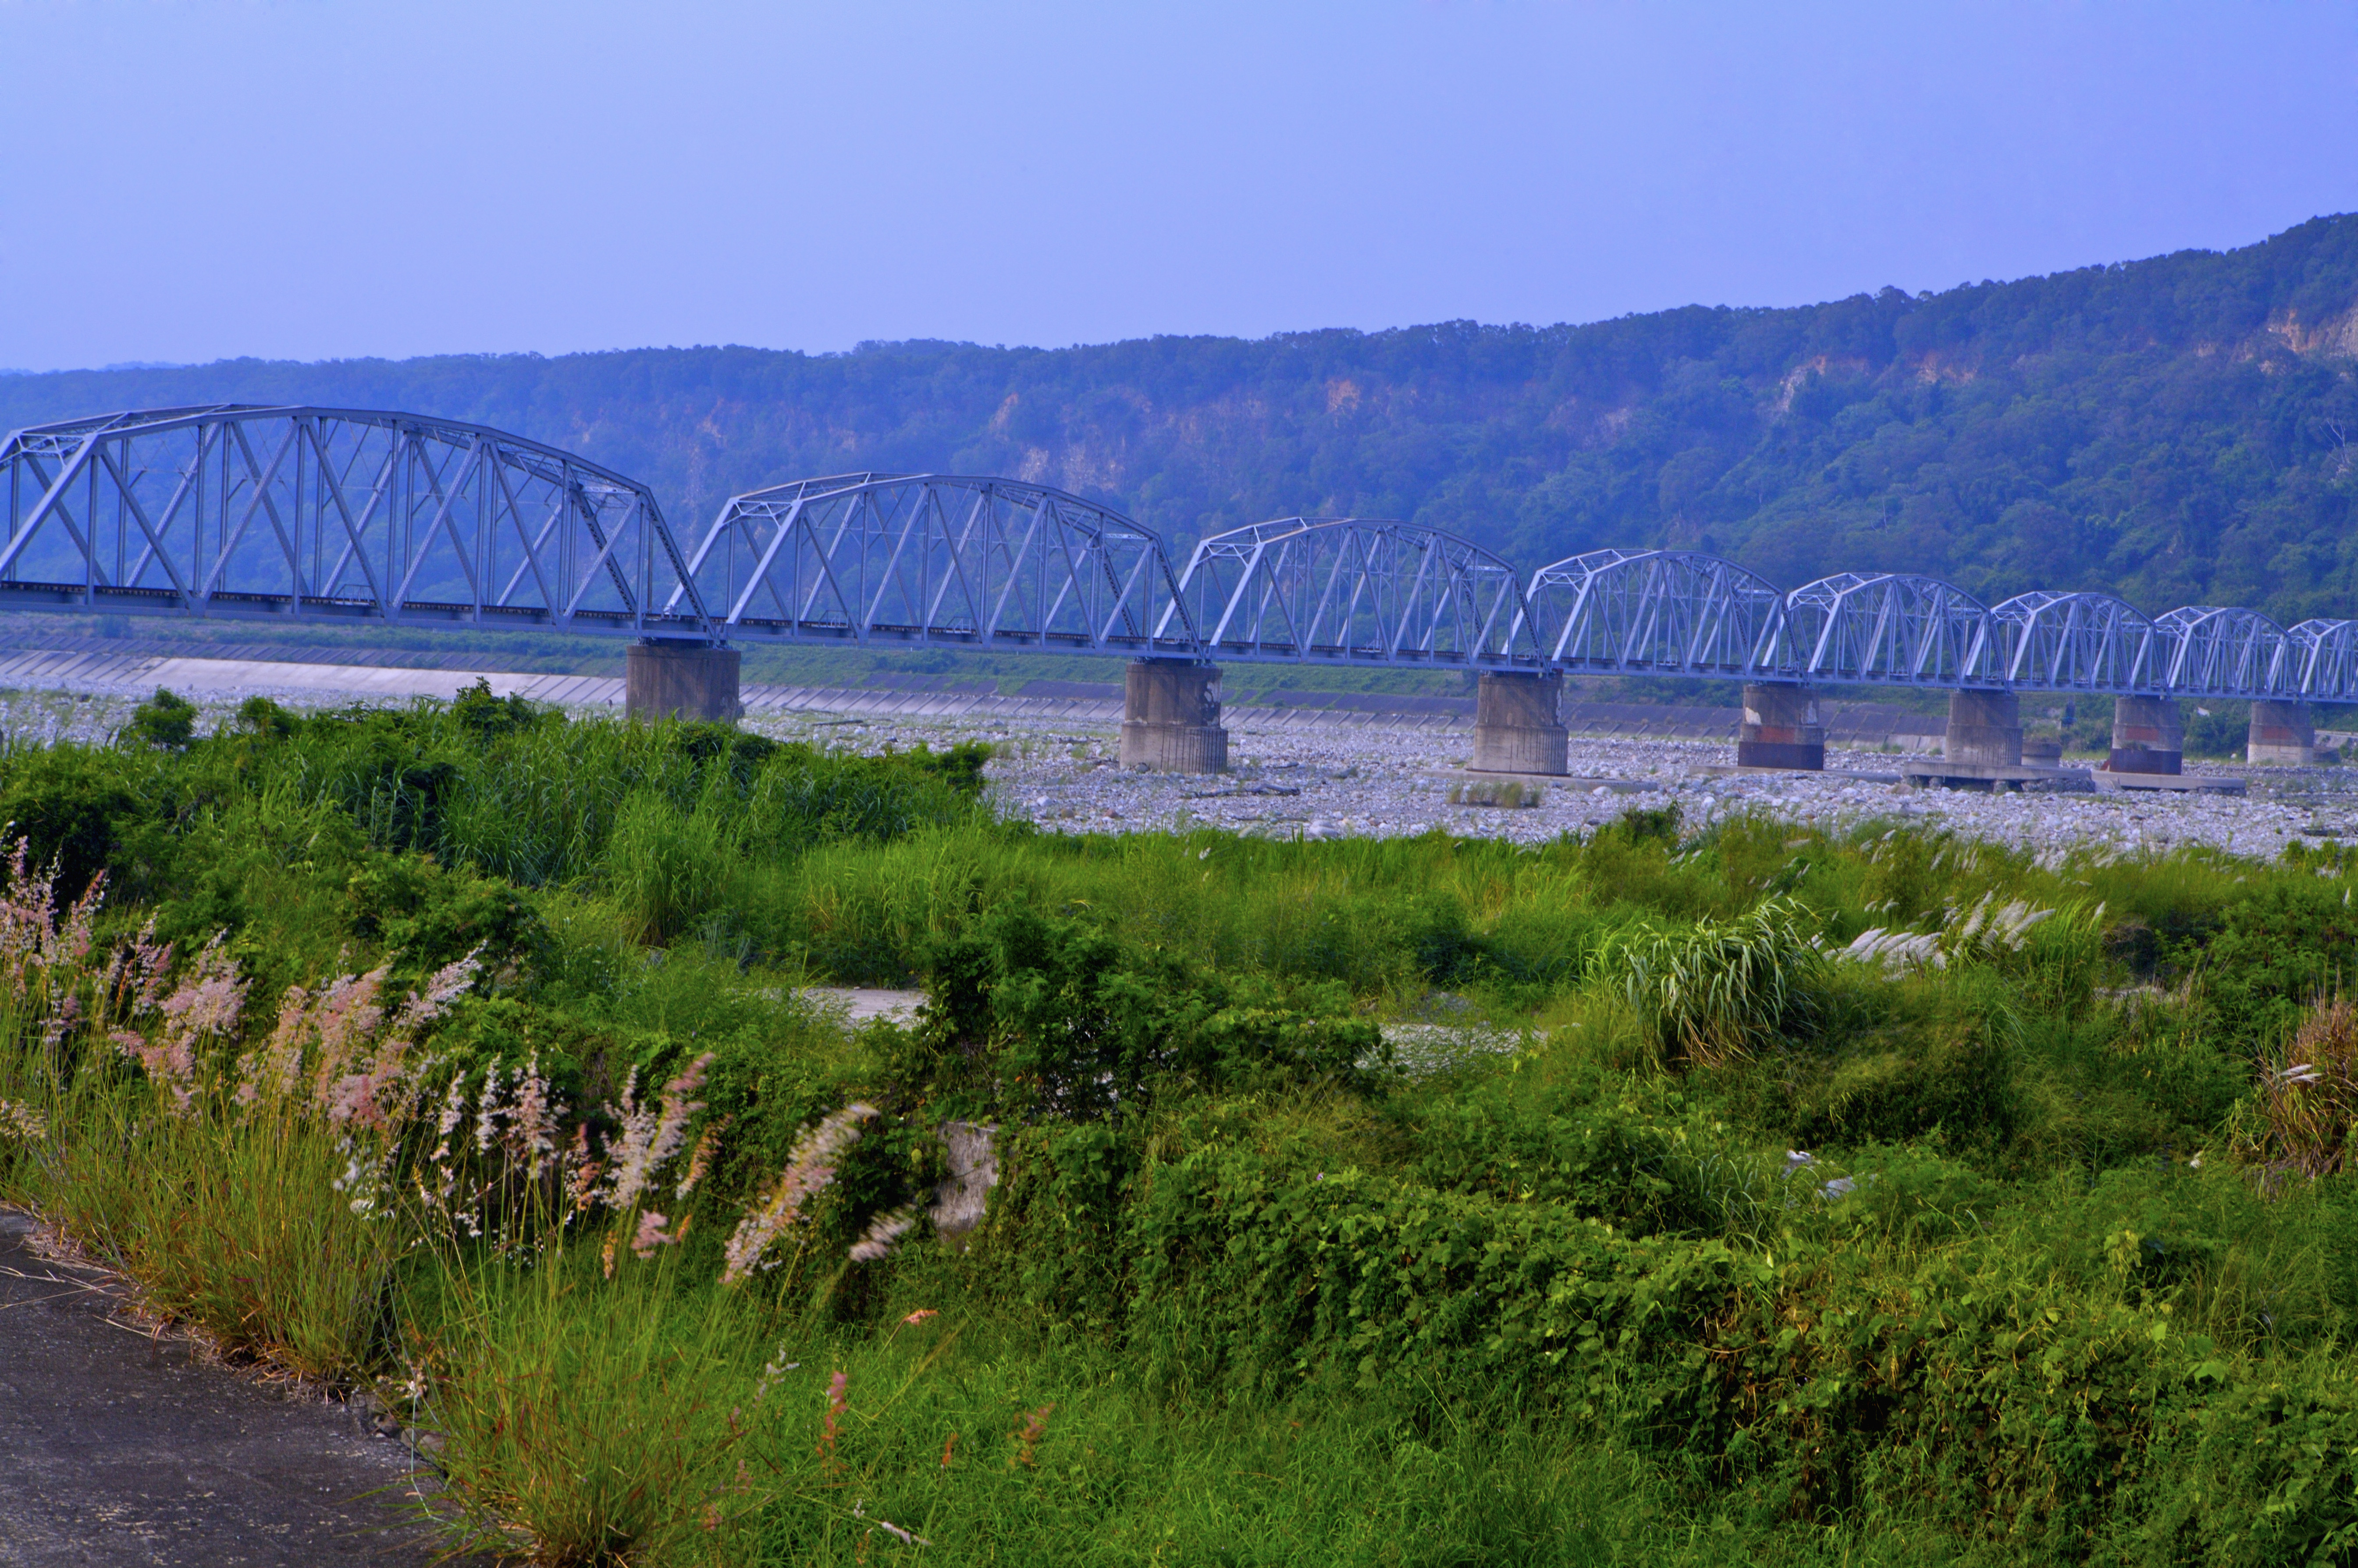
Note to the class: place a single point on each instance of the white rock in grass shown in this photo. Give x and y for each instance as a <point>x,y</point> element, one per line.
<point>960,1201</point>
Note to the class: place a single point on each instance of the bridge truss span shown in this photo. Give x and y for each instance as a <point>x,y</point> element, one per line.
<point>2074,642</point>
<point>2323,656</point>
<point>1885,629</point>
<point>331,514</point>
<point>1355,591</point>
<point>939,560</point>
<point>2205,651</point>
<point>1656,613</point>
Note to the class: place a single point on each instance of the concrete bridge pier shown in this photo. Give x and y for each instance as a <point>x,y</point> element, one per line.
<point>1780,730</point>
<point>682,680</point>
<point>2147,737</point>
<point>1517,724</point>
<point>2280,733</point>
<point>1171,717</point>
<point>1984,730</point>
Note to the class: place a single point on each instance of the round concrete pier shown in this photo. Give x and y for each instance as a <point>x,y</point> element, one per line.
<point>1780,730</point>
<point>1171,717</point>
<point>1515,727</point>
<point>2146,736</point>
<point>2280,733</point>
<point>1984,728</point>
<point>682,680</point>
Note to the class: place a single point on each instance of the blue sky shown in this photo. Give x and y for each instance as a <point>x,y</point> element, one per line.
<point>192,179</point>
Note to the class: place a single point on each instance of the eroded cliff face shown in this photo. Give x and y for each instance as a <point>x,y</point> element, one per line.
<point>2334,335</point>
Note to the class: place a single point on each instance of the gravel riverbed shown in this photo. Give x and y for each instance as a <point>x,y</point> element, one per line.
<point>1349,781</point>
<point>1367,782</point>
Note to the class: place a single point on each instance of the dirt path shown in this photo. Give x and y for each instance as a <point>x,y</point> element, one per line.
<point>121,1447</point>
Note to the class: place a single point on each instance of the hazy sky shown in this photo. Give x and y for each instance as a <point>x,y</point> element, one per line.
<point>192,179</point>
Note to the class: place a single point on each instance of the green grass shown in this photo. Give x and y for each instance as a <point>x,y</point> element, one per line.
<point>2001,1250</point>
<point>240,1228</point>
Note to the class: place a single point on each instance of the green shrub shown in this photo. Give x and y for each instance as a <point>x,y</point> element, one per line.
<point>260,717</point>
<point>423,916</point>
<point>167,721</point>
<point>2278,947</point>
<point>1038,1015</point>
<point>487,717</point>
<point>76,808</point>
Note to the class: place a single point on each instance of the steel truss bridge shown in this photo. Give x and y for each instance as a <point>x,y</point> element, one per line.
<point>341,514</point>
<point>333,514</point>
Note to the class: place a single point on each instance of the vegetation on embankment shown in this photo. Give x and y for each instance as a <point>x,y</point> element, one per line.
<point>1873,1198</point>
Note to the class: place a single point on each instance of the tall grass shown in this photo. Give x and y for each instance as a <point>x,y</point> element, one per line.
<point>1716,992</point>
<point>666,867</point>
<point>227,1210</point>
<point>593,1421</point>
<point>245,1229</point>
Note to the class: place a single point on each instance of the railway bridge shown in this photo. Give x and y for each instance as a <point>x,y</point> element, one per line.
<point>339,515</point>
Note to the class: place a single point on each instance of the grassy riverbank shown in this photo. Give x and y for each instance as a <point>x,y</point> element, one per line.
<point>1753,1194</point>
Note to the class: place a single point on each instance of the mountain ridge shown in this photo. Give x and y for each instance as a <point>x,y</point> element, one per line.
<point>2176,430</point>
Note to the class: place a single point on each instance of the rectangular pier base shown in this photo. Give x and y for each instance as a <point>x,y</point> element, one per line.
<point>1991,776</point>
<point>2179,783</point>
<point>1553,781</point>
<point>1740,770</point>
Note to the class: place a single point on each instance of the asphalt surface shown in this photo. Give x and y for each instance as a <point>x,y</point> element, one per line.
<point>123,1446</point>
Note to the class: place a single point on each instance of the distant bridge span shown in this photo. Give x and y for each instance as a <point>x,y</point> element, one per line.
<point>315,513</point>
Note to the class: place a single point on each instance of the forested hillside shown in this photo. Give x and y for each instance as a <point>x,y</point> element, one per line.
<point>2176,430</point>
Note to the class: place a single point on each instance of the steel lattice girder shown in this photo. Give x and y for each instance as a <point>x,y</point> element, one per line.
<point>1887,629</point>
<point>331,514</point>
<point>936,559</point>
<point>2074,641</point>
<point>2323,655</point>
<point>1353,591</point>
<point>1656,612</point>
<point>2209,651</point>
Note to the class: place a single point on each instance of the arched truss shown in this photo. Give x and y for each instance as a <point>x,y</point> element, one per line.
<point>331,514</point>
<point>2322,656</point>
<point>2207,651</point>
<point>336,513</point>
<point>1656,613</point>
<point>935,559</point>
<point>1351,590</point>
<point>2073,642</point>
<point>1885,629</point>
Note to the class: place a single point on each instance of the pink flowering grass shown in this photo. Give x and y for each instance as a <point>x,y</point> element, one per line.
<point>783,1206</point>
<point>240,1188</point>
